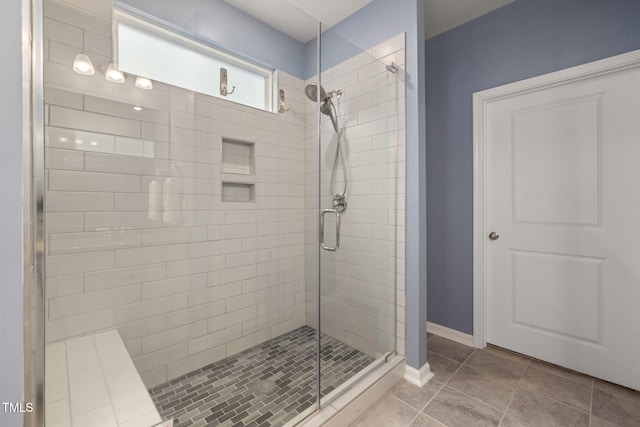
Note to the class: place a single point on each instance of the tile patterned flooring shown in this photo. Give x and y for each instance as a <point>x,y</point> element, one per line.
<point>495,387</point>
<point>229,392</point>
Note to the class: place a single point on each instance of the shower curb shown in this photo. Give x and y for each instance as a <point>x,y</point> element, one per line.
<point>349,406</point>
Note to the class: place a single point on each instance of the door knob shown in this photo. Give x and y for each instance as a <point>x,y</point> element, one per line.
<point>494,236</point>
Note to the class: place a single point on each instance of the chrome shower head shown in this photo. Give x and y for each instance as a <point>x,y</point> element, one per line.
<point>327,107</point>
<point>312,92</point>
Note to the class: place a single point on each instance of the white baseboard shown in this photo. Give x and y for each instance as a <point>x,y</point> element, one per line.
<point>450,334</point>
<point>418,377</point>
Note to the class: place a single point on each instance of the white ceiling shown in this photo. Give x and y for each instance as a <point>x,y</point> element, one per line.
<point>293,17</point>
<point>443,15</point>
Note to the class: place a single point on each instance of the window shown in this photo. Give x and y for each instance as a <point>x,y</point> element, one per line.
<point>160,54</point>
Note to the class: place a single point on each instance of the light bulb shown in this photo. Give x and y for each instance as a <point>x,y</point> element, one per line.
<point>143,83</point>
<point>114,75</point>
<point>82,65</point>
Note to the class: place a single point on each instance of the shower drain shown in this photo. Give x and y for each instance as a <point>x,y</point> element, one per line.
<point>265,386</point>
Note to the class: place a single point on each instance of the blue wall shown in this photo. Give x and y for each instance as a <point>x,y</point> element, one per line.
<point>11,291</point>
<point>521,40</point>
<point>335,49</point>
<point>378,21</point>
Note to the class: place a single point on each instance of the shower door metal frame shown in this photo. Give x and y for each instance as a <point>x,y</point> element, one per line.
<point>33,210</point>
<point>319,229</point>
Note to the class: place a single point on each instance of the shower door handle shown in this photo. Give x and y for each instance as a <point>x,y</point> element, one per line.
<point>322,245</point>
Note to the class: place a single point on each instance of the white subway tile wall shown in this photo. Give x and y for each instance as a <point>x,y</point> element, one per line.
<point>362,284</point>
<point>140,239</point>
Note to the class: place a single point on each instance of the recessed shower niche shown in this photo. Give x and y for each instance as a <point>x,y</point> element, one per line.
<point>238,192</point>
<point>238,157</point>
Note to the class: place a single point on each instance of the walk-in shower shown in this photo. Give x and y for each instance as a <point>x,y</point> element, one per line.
<point>185,276</point>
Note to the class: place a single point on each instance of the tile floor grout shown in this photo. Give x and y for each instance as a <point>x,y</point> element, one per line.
<point>515,390</point>
<point>551,398</point>
<point>593,385</point>
<point>552,381</point>
<point>446,384</point>
<point>229,393</point>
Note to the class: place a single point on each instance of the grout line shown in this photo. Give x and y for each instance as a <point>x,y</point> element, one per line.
<point>407,404</point>
<point>458,369</point>
<point>557,401</point>
<point>439,423</point>
<point>413,419</point>
<point>104,380</point>
<point>426,415</point>
<point>591,402</point>
<point>489,371</point>
<point>432,397</point>
<point>475,398</point>
<point>453,360</point>
<point>480,401</point>
<point>514,392</point>
<point>445,384</point>
<point>469,357</point>
<point>397,398</point>
<point>504,414</point>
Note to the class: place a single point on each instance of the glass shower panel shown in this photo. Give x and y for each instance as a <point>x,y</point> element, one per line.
<point>358,207</point>
<point>175,237</point>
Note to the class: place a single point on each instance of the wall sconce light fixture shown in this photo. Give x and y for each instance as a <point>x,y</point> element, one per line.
<point>82,65</point>
<point>113,74</point>
<point>144,83</point>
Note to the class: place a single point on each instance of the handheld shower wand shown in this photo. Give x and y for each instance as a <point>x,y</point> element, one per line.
<point>328,108</point>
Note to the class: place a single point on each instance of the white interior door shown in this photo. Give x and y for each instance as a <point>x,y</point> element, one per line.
<point>563,194</point>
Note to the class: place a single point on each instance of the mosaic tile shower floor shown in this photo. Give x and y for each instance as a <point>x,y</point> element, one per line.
<point>265,386</point>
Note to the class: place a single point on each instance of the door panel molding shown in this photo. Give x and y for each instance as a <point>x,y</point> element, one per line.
<point>481,101</point>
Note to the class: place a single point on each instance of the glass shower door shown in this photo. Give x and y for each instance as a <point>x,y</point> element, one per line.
<point>356,200</point>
